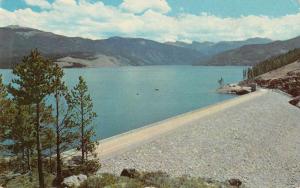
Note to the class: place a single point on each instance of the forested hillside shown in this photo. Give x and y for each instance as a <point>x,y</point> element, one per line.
<point>274,63</point>
<point>253,54</point>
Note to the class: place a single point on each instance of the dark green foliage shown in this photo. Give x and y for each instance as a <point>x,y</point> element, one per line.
<point>35,79</point>
<point>89,167</point>
<point>27,134</point>
<point>244,74</point>
<point>83,115</point>
<point>64,133</point>
<point>273,63</point>
<point>7,111</point>
<point>221,82</point>
<point>150,179</point>
<point>27,181</point>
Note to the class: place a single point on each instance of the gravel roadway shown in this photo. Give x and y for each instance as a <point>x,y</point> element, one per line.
<point>256,140</point>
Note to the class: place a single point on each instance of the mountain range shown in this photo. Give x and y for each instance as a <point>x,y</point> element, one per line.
<point>252,54</point>
<point>17,42</point>
<point>211,48</point>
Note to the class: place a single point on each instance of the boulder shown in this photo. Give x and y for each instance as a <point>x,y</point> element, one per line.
<point>295,101</point>
<point>74,181</point>
<point>9,176</point>
<point>241,92</point>
<point>253,87</point>
<point>130,173</point>
<point>75,160</point>
<point>235,182</point>
<point>275,83</point>
<point>294,91</point>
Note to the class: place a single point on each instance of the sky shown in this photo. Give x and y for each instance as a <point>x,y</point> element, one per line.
<point>160,20</point>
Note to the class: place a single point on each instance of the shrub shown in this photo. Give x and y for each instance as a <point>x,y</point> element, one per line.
<point>88,168</point>
<point>150,179</point>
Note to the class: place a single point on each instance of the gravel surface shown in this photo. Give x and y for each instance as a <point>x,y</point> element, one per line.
<point>257,141</point>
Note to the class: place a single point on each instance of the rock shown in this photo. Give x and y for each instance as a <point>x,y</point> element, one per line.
<point>74,181</point>
<point>10,176</point>
<point>289,84</point>
<point>295,101</point>
<point>241,92</point>
<point>234,89</point>
<point>131,173</point>
<point>294,91</point>
<point>75,160</point>
<point>235,182</point>
<point>253,87</point>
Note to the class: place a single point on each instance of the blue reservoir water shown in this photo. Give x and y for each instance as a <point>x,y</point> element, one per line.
<point>126,98</point>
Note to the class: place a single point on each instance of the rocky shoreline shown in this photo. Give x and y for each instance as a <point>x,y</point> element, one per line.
<point>236,89</point>
<point>289,84</point>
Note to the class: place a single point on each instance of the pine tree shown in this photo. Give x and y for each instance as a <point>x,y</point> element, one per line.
<point>3,95</point>
<point>7,112</point>
<point>221,82</point>
<point>83,116</point>
<point>21,132</point>
<point>49,143</point>
<point>16,125</point>
<point>274,63</point>
<point>35,80</point>
<point>65,135</point>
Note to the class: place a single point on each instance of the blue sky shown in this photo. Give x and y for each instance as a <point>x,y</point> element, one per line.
<point>187,20</point>
<point>223,8</point>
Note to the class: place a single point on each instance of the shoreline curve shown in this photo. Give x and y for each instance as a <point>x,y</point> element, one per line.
<point>129,140</point>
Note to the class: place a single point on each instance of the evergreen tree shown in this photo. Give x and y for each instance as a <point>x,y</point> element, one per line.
<point>16,126</point>
<point>83,116</point>
<point>221,82</point>
<point>49,142</point>
<point>65,135</point>
<point>7,112</point>
<point>21,132</point>
<point>273,63</point>
<point>35,80</point>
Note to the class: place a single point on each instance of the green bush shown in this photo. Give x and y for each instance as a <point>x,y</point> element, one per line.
<point>150,179</point>
<point>26,181</point>
<point>88,168</point>
<point>99,181</point>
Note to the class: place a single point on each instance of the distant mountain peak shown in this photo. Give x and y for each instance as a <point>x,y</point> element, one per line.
<point>13,26</point>
<point>116,37</point>
<point>212,48</point>
<point>259,39</point>
<point>252,54</point>
<point>17,27</point>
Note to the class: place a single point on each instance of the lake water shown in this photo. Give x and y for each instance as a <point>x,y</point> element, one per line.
<point>126,98</point>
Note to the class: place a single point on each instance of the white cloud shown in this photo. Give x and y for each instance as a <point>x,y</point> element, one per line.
<point>44,4</point>
<point>138,6</point>
<point>97,20</point>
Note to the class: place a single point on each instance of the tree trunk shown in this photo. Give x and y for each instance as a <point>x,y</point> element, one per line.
<point>23,159</point>
<point>38,147</point>
<point>86,155</point>
<point>82,133</point>
<point>28,159</point>
<point>50,158</point>
<point>58,159</point>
